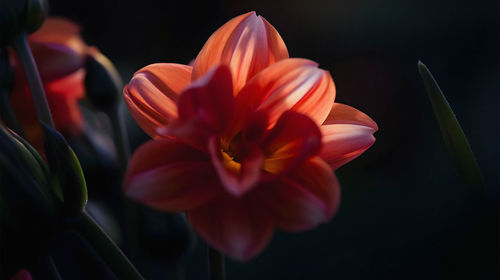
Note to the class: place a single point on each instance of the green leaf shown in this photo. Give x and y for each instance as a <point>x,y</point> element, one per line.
<point>454,138</point>
<point>64,165</point>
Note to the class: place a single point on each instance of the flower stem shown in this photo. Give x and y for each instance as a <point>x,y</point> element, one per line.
<point>22,48</point>
<point>45,268</point>
<point>8,114</point>
<point>216,264</point>
<point>109,251</point>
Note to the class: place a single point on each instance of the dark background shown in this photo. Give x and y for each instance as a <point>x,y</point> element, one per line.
<point>404,214</point>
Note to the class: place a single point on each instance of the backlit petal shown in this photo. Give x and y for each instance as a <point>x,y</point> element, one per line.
<point>170,176</point>
<point>295,84</point>
<point>293,140</point>
<point>344,142</point>
<point>238,227</point>
<point>152,93</point>
<point>306,198</point>
<point>344,114</point>
<point>247,44</point>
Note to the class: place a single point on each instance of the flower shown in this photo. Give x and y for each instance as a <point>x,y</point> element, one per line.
<point>22,274</point>
<point>244,141</point>
<point>60,55</point>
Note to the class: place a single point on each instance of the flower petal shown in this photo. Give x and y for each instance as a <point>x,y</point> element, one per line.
<point>293,139</point>
<point>344,142</point>
<point>238,227</point>
<point>170,176</point>
<point>236,177</point>
<point>344,114</point>
<point>308,197</point>
<point>205,108</point>
<point>247,44</point>
<point>55,60</point>
<point>152,93</point>
<point>295,84</point>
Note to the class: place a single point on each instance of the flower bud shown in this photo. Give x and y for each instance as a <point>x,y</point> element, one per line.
<point>20,16</point>
<point>28,218</point>
<point>102,81</point>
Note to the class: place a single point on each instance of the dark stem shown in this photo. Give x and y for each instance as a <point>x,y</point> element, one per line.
<point>45,269</point>
<point>109,251</point>
<point>22,48</point>
<point>8,114</point>
<point>216,264</point>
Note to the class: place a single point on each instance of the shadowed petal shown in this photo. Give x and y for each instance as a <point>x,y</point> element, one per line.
<point>294,139</point>
<point>247,44</point>
<point>295,84</point>
<point>240,228</point>
<point>152,93</point>
<point>344,142</point>
<point>205,108</point>
<point>170,176</point>
<point>236,177</point>
<point>304,199</point>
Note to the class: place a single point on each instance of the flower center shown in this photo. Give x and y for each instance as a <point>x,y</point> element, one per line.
<point>229,162</point>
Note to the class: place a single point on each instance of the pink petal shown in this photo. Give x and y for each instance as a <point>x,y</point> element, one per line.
<point>152,93</point>
<point>238,227</point>
<point>344,114</point>
<point>55,61</point>
<point>293,140</point>
<point>306,198</point>
<point>247,44</point>
<point>170,176</point>
<point>22,274</point>
<point>295,84</point>
<point>205,108</point>
<point>344,142</point>
<point>237,178</point>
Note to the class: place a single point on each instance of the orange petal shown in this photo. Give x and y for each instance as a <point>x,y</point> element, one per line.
<point>344,114</point>
<point>344,142</point>
<point>247,44</point>
<point>60,31</point>
<point>295,84</point>
<point>293,139</point>
<point>170,176</point>
<point>240,228</point>
<point>152,93</point>
<point>306,198</point>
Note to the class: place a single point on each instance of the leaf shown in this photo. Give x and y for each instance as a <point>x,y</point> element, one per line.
<point>454,138</point>
<point>64,165</point>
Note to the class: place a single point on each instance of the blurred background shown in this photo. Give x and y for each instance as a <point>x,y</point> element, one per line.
<point>404,214</point>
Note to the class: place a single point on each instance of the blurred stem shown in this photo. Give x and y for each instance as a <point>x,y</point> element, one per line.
<point>216,264</point>
<point>8,114</point>
<point>119,137</point>
<point>109,251</point>
<point>45,269</point>
<point>22,48</point>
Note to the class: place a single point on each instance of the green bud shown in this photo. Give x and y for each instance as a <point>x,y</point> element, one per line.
<point>20,16</point>
<point>28,216</point>
<point>66,169</point>
<point>102,82</point>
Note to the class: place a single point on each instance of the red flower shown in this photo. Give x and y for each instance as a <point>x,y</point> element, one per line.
<point>60,55</point>
<point>22,274</point>
<point>245,140</point>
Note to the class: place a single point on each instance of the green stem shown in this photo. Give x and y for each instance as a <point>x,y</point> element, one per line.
<point>22,48</point>
<point>109,251</point>
<point>45,269</point>
<point>8,114</point>
<point>216,264</point>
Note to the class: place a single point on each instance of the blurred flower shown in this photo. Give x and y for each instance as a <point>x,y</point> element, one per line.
<point>245,140</point>
<point>22,274</point>
<point>60,55</point>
